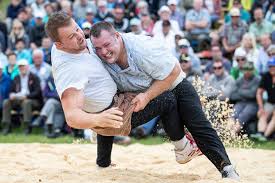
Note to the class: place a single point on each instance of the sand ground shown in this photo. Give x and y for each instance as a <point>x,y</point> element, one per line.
<point>75,163</point>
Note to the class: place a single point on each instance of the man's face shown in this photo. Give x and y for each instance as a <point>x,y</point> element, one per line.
<point>216,52</point>
<point>134,28</point>
<point>12,59</point>
<point>173,7</point>
<point>235,20</point>
<point>185,65</point>
<point>89,16</point>
<point>165,15</point>
<point>272,70</point>
<point>265,41</point>
<point>183,50</point>
<point>218,68</point>
<point>198,4</point>
<point>46,43</point>
<point>23,69</point>
<point>71,38</point>
<point>20,46</point>
<point>247,73</point>
<point>258,15</point>
<point>107,46</point>
<point>37,59</point>
<point>102,9</point>
<point>241,61</point>
<point>119,13</point>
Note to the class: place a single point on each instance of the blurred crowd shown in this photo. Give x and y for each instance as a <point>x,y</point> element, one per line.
<point>230,44</point>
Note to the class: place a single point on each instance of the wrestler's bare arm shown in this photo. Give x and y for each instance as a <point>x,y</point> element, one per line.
<point>72,102</point>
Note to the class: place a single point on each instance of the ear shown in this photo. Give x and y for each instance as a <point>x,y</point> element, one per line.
<point>117,35</point>
<point>58,45</point>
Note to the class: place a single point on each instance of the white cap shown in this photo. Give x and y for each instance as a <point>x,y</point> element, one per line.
<point>39,14</point>
<point>164,9</point>
<point>184,42</point>
<point>239,53</point>
<point>180,33</point>
<point>135,21</point>
<point>102,3</point>
<point>22,62</point>
<point>86,25</point>
<point>174,2</point>
<point>235,12</point>
<point>141,4</point>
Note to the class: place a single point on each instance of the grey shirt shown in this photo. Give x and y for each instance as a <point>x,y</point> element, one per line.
<point>148,61</point>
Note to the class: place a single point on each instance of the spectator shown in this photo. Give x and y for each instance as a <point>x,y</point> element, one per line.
<point>217,55</point>
<point>38,8</point>
<point>147,23</point>
<point>40,68</point>
<point>17,32</point>
<point>261,63</point>
<point>244,95</point>
<point>11,69</point>
<point>249,46</point>
<point>3,58</point>
<point>186,66</point>
<point>165,14</point>
<point>166,36</point>
<point>120,23</point>
<point>130,7</point>
<point>186,49</point>
<point>135,27</point>
<point>25,94</point>
<point>266,110</point>
<point>80,8</point>
<point>244,14</point>
<point>86,27</point>
<point>25,19</point>
<point>66,6</point>
<point>102,12</point>
<point>178,36</point>
<point>233,32</point>
<point>22,52</point>
<point>221,81</point>
<point>51,113</point>
<point>14,8</point>
<point>49,10</point>
<point>5,83</point>
<point>89,17</point>
<point>240,58</point>
<point>176,13</point>
<point>46,48</point>
<point>260,26</point>
<point>270,14</point>
<point>142,8</point>
<point>198,24</point>
<point>37,32</point>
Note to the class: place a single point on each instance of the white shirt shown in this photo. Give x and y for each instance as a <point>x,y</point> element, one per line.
<point>83,71</point>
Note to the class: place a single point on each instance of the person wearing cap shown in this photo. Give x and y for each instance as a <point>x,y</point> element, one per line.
<point>233,32</point>
<point>186,66</point>
<point>244,14</point>
<point>142,64</point>
<point>37,32</point>
<point>38,9</point>
<point>221,82</point>
<point>186,49</point>
<point>165,14</point>
<point>5,83</point>
<point>176,13</point>
<point>260,26</point>
<point>266,110</point>
<point>266,45</point>
<point>25,94</point>
<point>80,8</point>
<point>244,96</point>
<point>135,27</point>
<point>240,59</point>
<point>197,23</point>
<point>102,12</point>
<point>86,27</point>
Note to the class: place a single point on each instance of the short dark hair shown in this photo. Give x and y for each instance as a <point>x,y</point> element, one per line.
<point>166,23</point>
<point>57,20</point>
<point>20,40</point>
<point>98,27</point>
<point>11,53</point>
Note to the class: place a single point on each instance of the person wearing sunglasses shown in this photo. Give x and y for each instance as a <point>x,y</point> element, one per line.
<point>186,66</point>
<point>244,96</point>
<point>239,60</point>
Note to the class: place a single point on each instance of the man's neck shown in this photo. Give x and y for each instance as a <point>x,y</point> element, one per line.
<point>122,60</point>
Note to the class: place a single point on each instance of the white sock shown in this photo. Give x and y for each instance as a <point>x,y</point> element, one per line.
<point>180,144</point>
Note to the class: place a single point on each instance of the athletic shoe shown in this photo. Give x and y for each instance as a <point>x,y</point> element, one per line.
<point>230,173</point>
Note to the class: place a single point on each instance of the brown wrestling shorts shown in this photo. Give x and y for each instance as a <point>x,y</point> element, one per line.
<point>123,102</point>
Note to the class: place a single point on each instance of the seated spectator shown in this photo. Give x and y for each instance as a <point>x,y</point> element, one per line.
<point>165,15</point>
<point>147,23</point>
<point>198,24</point>
<point>142,8</point>
<point>38,8</point>
<point>233,32</point>
<point>261,63</point>
<point>25,94</point>
<point>102,12</point>
<point>89,17</point>
<point>135,27</point>
<point>266,112</point>
<point>244,14</point>
<point>17,33</point>
<point>166,36</point>
<point>178,36</point>
<point>11,69</point>
<point>49,10</point>
<point>186,66</point>
<point>66,6</point>
<point>120,23</point>
<point>217,55</point>
<point>248,44</point>
<point>244,96</point>
<point>37,32</point>
<point>240,59</point>
<point>270,14</point>
<point>130,9</point>
<point>5,83</point>
<point>214,8</point>
<point>14,8</point>
<point>80,8</point>
<point>221,82</point>
<point>40,68</point>
<point>46,48</point>
<point>176,14</point>
<point>186,49</point>
<point>3,58</point>
<point>260,26</point>
<point>22,52</point>
<point>25,19</point>
<point>52,112</point>
<point>86,27</point>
